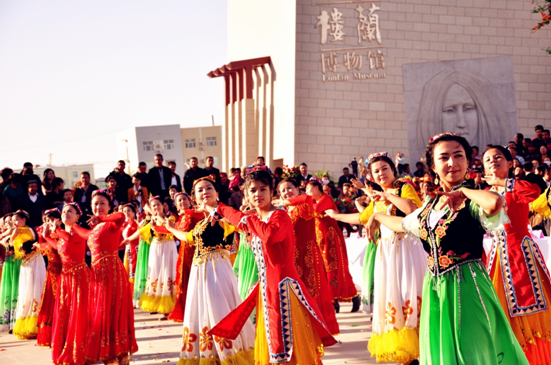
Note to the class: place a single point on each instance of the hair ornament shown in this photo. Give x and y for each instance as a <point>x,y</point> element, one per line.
<point>156,197</point>
<point>315,178</point>
<point>76,206</point>
<point>377,154</point>
<point>104,192</point>
<point>252,169</point>
<point>203,179</point>
<point>21,211</point>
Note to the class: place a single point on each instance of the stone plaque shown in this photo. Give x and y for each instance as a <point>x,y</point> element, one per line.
<point>474,98</point>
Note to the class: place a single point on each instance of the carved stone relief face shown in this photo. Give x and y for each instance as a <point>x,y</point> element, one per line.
<point>459,114</point>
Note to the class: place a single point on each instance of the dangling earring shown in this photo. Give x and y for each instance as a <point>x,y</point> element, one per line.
<point>436,181</point>
<point>467,175</point>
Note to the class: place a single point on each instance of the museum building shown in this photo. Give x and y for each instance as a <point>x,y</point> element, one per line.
<point>323,82</point>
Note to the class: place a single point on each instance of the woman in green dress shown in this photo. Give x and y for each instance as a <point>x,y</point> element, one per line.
<point>462,321</point>
<point>140,277</point>
<point>9,290</point>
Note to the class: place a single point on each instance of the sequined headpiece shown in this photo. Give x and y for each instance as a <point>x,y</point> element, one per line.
<point>181,193</point>
<point>156,197</point>
<point>252,169</point>
<point>377,154</point>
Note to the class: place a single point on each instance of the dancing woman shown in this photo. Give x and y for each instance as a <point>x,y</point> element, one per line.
<point>128,229</point>
<point>516,266</point>
<point>212,289</point>
<point>111,336</point>
<point>31,278</point>
<point>333,248</point>
<point>71,316</point>
<point>461,320</point>
<point>187,219</point>
<point>158,296</point>
<point>289,328</point>
<point>400,264</point>
<point>9,291</point>
<point>47,302</point>
<point>308,259</point>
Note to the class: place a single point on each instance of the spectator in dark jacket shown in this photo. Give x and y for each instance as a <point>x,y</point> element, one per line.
<point>33,203</point>
<point>193,173</point>
<point>124,182</point>
<point>159,178</point>
<point>211,170</point>
<point>83,196</point>
<point>175,180</point>
<point>533,178</point>
<point>346,177</point>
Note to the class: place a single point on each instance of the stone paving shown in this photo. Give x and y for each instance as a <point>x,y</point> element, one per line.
<point>159,343</point>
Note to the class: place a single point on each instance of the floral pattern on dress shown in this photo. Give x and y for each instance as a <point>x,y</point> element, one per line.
<point>188,340</point>
<point>390,313</point>
<point>205,340</point>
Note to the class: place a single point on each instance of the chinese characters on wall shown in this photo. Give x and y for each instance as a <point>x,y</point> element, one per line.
<point>351,46</point>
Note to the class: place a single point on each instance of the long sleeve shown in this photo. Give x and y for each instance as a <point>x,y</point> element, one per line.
<point>116,218</point>
<point>408,192</point>
<point>274,230</point>
<point>367,213</point>
<point>48,241</point>
<point>325,203</point>
<point>301,199</point>
<point>522,191</point>
<point>82,232</point>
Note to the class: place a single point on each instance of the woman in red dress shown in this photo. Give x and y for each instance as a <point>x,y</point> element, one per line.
<point>187,219</point>
<point>289,328</point>
<point>111,337</point>
<point>333,248</point>
<point>516,266</point>
<point>128,229</point>
<point>308,258</point>
<point>49,293</point>
<point>71,319</point>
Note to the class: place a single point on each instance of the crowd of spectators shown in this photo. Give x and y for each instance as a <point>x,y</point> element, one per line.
<point>25,190</point>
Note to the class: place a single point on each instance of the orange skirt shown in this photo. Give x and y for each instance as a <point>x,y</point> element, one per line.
<point>532,331</point>
<point>307,346</point>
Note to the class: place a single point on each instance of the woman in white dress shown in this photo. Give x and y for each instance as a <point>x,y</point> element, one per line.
<point>31,279</point>
<point>212,290</point>
<point>159,296</point>
<point>400,265</point>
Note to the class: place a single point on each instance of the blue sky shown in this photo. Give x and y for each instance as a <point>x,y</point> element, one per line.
<point>73,73</point>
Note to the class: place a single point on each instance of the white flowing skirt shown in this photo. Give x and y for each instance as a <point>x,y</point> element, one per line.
<point>212,295</point>
<point>159,293</point>
<point>400,266</point>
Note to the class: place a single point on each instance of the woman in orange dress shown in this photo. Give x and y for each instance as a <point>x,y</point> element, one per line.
<point>333,248</point>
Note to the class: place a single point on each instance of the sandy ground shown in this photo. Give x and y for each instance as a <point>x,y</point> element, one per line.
<point>159,342</point>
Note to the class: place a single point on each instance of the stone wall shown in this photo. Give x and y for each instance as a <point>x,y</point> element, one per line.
<point>338,120</point>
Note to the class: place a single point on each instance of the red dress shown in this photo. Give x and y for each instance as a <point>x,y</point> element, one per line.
<point>71,324</point>
<point>308,260</point>
<point>129,228</point>
<point>279,287</point>
<point>185,223</point>
<point>49,293</point>
<point>333,248</point>
<point>520,275</point>
<point>111,334</point>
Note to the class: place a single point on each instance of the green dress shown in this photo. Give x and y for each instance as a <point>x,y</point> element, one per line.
<point>9,292</point>
<point>140,277</point>
<point>368,277</point>
<point>462,321</point>
<point>245,267</point>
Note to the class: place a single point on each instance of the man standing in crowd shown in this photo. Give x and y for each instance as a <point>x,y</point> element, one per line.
<point>175,180</point>
<point>193,173</point>
<point>354,166</point>
<point>304,175</point>
<point>533,178</point>
<point>33,203</point>
<point>124,182</point>
<point>346,177</point>
<point>28,174</point>
<point>159,178</point>
<point>142,174</point>
<point>83,195</point>
<point>211,170</point>
<point>538,141</point>
<point>420,172</point>
<point>513,150</point>
<point>5,174</point>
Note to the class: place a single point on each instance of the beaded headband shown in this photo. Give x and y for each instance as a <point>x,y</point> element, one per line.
<point>181,193</point>
<point>377,154</point>
<point>156,197</point>
<point>21,211</point>
<point>203,179</point>
<point>103,192</point>
<point>256,168</point>
<point>76,206</point>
